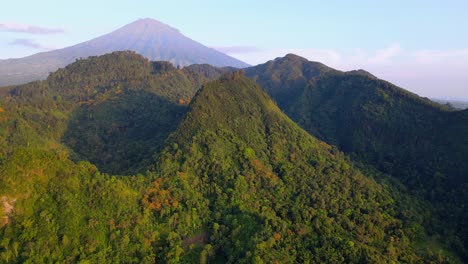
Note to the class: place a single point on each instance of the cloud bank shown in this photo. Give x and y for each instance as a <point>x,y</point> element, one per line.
<point>30,29</point>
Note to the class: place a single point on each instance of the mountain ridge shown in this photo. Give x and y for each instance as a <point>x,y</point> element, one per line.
<point>421,143</point>
<point>151,38</point>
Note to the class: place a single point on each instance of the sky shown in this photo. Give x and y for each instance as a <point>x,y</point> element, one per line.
<point>421,46</point>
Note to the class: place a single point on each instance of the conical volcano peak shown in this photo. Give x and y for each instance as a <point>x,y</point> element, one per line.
<point>148,24</point>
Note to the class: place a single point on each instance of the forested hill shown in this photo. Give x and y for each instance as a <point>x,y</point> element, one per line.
<point>421,143</point>
<point>240,182</point>
<point>284,78</point>
<point>399,132</point>
<point>104,114</point>
<point>114,110</point>
<point>116,159</point>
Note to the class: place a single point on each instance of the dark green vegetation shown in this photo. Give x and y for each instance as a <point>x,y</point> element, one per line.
<point>218,175</point>
<point>422,144</point>
<point>65,209</point>
<point>381,124</point>
<point>262,189</point>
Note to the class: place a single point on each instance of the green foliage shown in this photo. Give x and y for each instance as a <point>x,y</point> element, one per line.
<point>118,106</point>
<point>263,190</point>
<point>114,110</point>
<point>123,131</point>
<point>420,143</point>
<point>233,180</point>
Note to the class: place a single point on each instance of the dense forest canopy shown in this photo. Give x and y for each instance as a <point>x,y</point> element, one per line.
<point>421,143</point>
<point>119,159</point>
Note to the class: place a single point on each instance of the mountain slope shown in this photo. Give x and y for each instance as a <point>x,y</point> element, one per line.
<point>114,110</point>
<point>150,38</point>
<point>419,142</point>
<point>235,181</point>
<point>240,182</point>
<point>395,130</point>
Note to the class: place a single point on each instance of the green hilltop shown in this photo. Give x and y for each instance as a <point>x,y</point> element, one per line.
<point>243,183</point>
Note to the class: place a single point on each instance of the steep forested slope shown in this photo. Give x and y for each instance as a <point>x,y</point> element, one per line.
<point>422,144</point>
<point>241,182</point>
<point>399,132</point>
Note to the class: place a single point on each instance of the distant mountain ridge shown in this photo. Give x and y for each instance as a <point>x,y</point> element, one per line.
<point>148,37</point>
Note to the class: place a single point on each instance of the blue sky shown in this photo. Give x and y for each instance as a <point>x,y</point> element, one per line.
<point>419,45</point>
